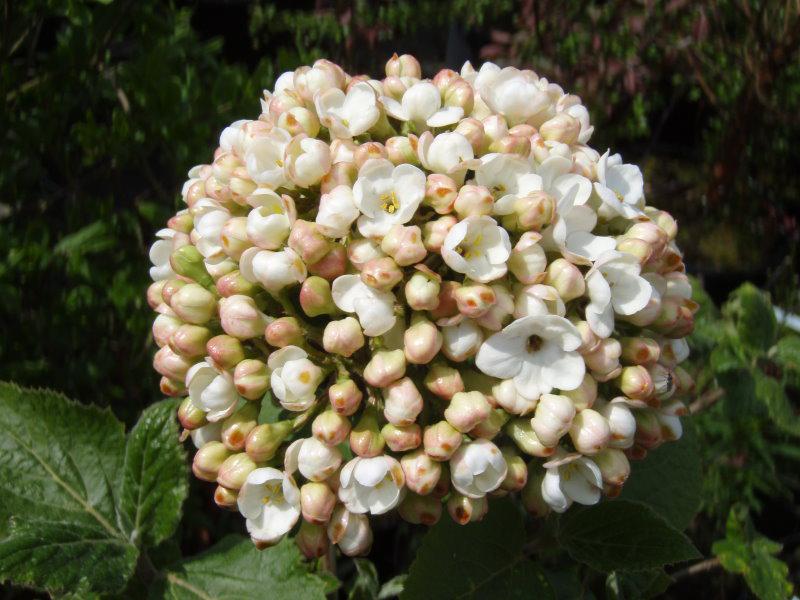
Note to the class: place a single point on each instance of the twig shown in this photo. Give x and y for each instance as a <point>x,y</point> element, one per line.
<point>701,567</point>
<point>706,400</point>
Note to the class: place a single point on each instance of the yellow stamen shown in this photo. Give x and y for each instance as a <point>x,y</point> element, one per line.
<point>389,202</point>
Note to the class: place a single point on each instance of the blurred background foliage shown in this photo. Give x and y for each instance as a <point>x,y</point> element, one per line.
<point>107,104</point>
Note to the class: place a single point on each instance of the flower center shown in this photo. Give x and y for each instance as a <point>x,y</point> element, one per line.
<point>278,163</point>
<point>471,250</point>
<point>273,492</point>
<point>389,202</point>
<point>620,197</point>
<point>498,189</point>
<point>568,471</point>
<point>534,343</point>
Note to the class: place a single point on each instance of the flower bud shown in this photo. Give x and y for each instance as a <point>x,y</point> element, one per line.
<point>208,459</point>
<point>441,440</point>
<point>604,361</point>
<point>506,396</point>
<point>154,294</point>
<point>234,471</point>
<point>187,262</point>
<point>648,429</point>
<point>421,472</point>
<point>402,439</point>
<point>444,381</point>
<point>472,129</point>
<point>517,474</point>
<point>635,382</point>
<point>553,418</point>
<point>402,402</point>
<point>584,395</point>
<point>234,237</point>
<point>422,341</point>
<point>462,341</point>
<point>345,397</point>
<point>531,495</point>
<point>251,378</point>
<point>621,422</point>
<point>671,426</point>
<point>531,212</point>
<point>440,193</point>
<point>226,498</point>
<point>613,465</point>
<point>562,128</point>
<point>317,502</point>
<point>590,432</point>
<point>171,365</point>
<point>343,337</point>
<point>663,381</point>
<point>381,273</point>
<point>459,93</point>
<point>330,427</point>
<point>365,439</point>
<point>172,387</point>
<point>240,317</point>
<point>566,278</point>
<point>639,350</point>
<point>650,233</point>
<point>642,250</point>
<point>400,150</point>
<point>315,297</point>
<point>233,284</point>
<point>495,128</point>
<point>684,383</point>
<point>395,87</point>
<point>384,367</point>
<point>170,287</point>
<point>521,431</point>
<point>332,265</point>
<point>164,326</point>
<point>225,351</point>
<point>466,410</point>
<point>285,331</point>
<point>589,340</point>
<point>190,416</point>
<point>465,510</point>
<point>512,144</point>
<point>361,251</point>
<point>236,427</point>
<point>309,243</point>
<point>194,304</point>
<point>665,221</point>
<point>264,440</point>
<point>341,173</point>
<point>350,531</point>
<point>434,232</point>
<point>422,291</point>
<point>474,300</point>
<point>420,510</point>
<point>528,261</point>
<point>312,540</point>
<point>368,151</point>
<point>404,245</point>
<point>403,66</point>
<point>473,201</point>
<point>491,426</point>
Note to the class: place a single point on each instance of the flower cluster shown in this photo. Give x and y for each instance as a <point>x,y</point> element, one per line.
<point>417,294</point>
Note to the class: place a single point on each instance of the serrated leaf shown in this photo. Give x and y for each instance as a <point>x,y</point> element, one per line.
<point>770,391</point>
<point>154,480</point>
<point>234,569</point>
<point>755,321</point>
<point>669,480</point>
<point>622,535</point>
<point>59,463</point>
<point>479,560</point>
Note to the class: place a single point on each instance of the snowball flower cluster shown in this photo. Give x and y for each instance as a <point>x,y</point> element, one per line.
<point>415,295</point>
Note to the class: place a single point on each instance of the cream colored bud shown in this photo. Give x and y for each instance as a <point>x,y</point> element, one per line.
<point>317,502</point>
<point>236,428</point>
<point>381,273</point>
<point>434,232</point>
<point>422,341</point>
<point>402,402</point>
<point>343,337</point>
<point>566,278</point>
<point>345,397</point>
<point>466,410</point>
<point>421,472</point>
<point>385,367</point>
<point>240,317</point>
<point>640,350</point>
<point>472,129</point>
<point>225,350</point>
<point>473,201</point>
<point>614,466</point>
<point>404,245</point>
<point>251,378</point>
<point>517,474</point>
<point>234,471</point>
<point>194,304</point>
<point>590,432</point>
<point>401,150</point>
<point>553,418</point>
<point>420,510</point>
<point>403,66</point>
<point>525,438</point>
<point>584,395</point>
<point>441,440</point>
<point>402,439</point>
<point>444,381</point>
<point>604,360</point>
<point>422,291</point>
<point>440,193</point>
<point>465,510</point>
<point>284,331</point>
<point>562,128</point>
<point>475,300</point>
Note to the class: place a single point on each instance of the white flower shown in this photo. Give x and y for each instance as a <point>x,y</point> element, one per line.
<point>211,390</point>
<point>211,432</point>
<point>537,352</point>
<point>209,219</point>
<point>270,221</point>
<point>294,378</point>
<point>273,270</point>
<point>572,235</point>
<point>462,340</point>
<point>448,153</point>
<point>477,247</point>
<point>306,161</point>
<point>507,176</point>
<point>348,115</point>
<point>571,478</point>
<point>620,187</point>
<point>614,285</point>
<point>160,252</point>
<point>270,501</point>
<point>477,468</point>
<point>264,158</point>
<point>374,308</point>
<point>538,299</point>
<point>232,138</point>
<point>511,93</point>
<point>509,399</point>
<point>422,105</point>
<point>373,485</point>
<point>315,460</point>
<point>387,195</point>
<point>337,211</point>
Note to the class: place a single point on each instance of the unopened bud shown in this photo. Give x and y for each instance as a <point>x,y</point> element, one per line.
<point>635,382</point>
<point>531,495</point>
<point>402,439</point>
<point>361,251</point>
<point>234,238</point>
<point>562,128</point>
<point>472,129</point>
<point>226,498</point>
<point>495,128</point>
<point>309,243</point>
<point>590,432</point>
<point>473,201</point>
<point>510,400</point>
<point>400,150</point>
<point>584,395</point>
<point>345,397</point>
<point>330,428</point>
<point>315,297</point>
<point>187,262</point>
<point>553,418</point>
<point>491,426</point>
<point>225,350</point>
<point>164,326</point>
<point>604,360</point>
<point>517,474</point>
<point>404,245</point>
<point>466,410</point>
<point>640,350</point>
<point>422,291</point>
<point>154,294</point>
<point>648,429</point>
<point>332,265</point>
<point>317,502</point>
<point>444,381</point>
<point>208,459</point>
<point>461,341</point>
<point>251,378</point>
<point>350,531</point>
<point>589,339</point>
<point>422,341</point>
<point>420,510</point>
<point>441,440</point>
<point>421,472</point>
<point>285,331</point>
<point>434,232</point>
<point>566,278</point>
<point>312,540</point>
<point>381,273</point>
<point>365,439</point>
<point>650,233</point>
<point>241,318</point>
<point>233,284</point>
<point>171,365</point>
<point>531,212</point>
<point>236,427</point>
<point>465,510</point>
<point>368,151</point>
<point>194,304</point>
<point>234,471</point>
<point>341,173</point>
<point>440,193</point>
<point>299,120</point>
<point>521,431</point>
<point>621,422</point>
<point>343,337</point>
<point>264,440</point>
<point>402,402</point>
<point>528,261</point>
<point>385,367</point>
<point>613,465</point>
<point>641,249</point>
<point>170,287</point>
<point>190,416</point>
<point>403,66</point>
<point>474,300</point>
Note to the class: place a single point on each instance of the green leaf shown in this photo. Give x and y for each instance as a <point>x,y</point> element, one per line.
<point>787,352</point>
<point>393,588</point>
<point>59,464</point>
<point>770,391</point>
<point>480,560</point>
<point>234,569</point>
<point>365,585</point>
<point>154,479</point>
<point>755,321</point>
<point>622,535</point>
<point>669,480</point>
<point>637,585</point>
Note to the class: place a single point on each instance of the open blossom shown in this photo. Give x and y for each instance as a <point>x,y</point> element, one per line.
<point>571,478</point>
<point>477,247</point>
<point>448,153</point>
<point>373,485</point>
<point>160,252</point>
<point>422,105</point>
<point>477,468</point>
<point>337,211</point>
<point>619,186</point>
<point>212,390</point>
<point>270,221</point>
<point>294,378</point>
<point>386,195</point>
<point>537,352</point>
<point>511,92</point>
<point>270,501</point>
<point>348,115</point>
<point>264,158</point>
<point>374,308</point>
<point>315,460</point>
<point>572,233</point>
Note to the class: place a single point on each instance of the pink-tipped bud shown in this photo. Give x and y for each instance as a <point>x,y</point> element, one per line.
<point>170,287</point>
<point>589,339</point>
<point>402,439</point>
<point>584,395</point>
<point>517,474</point>
<point>194,304</point>
<point>381,273</point>
<point>444,381</point>
<point>285,331</point>
<point>604,361</point>
<point>190,416</point>
<point>473,201</point>
<point>233,284</point>
<point>531,212</point>
<point>368,151</point>
<point>365,439</point>
<point>553,418</point>
<point>345,397</point>
<point>309,243</point>
<point>642,250</point>
<point>312,540</point>
<point>420,510</point>
<point>341,173</point>
<point>401,149</point>
<point>507,397</point>
<point>317,502</point>
<point>466,410</point>
<point>447,305</point>
<point>474,300</point>
<point>614,466</point>
<point>251,378</point>
<point>528,261</point>
<point>332,265</point>
<point>648,429</point>
<point>650,233</point>
<point>234,471</point>
<point>621,422</point>
<point>208,459</point>
<point>465,510</point>
<point>183,339</point>
<point>395,87</point>
<point>171,365</point>
<point>434,232</point>
<point>154,294</point>
<point>234,237</point>
<point>299,120</point>
<point>240,317</point>
<point>350,531</point>
<point>236,427</point>
<point>562,128</point>
<point>421,472</point>
<point>640,350</point>
<point>403,66</point>
<point>385,367</point>
<point>402,402</point>
<point>472,129</point>
<point>495,128</point>
<point>343,337</point>
<point>521,431</point>
<point>315,297</point>
<point>590,432</point>
<point>459,93</point>
<point>264,440</point>
<point>330,427</point>
<point>531,495</point>
<point>225,350</point>
<point>566,278</point>
<point>182,222</point>
<point>226,498</point>
<point>512,144</point>
<point>422,341</point>
<point>404,245</point>
<point>361,251</point>
<point>441,440</point>
<point>635,382</point>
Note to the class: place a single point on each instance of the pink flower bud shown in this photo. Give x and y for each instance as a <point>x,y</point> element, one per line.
<point>182,222</point>
<point>225,351</point>
<point>444,79</point>
<point>459,94</point>
<point>473,201</point>
<point>589,339</point>
<point>523,130</point>
<point>420,510</point>
<point>365,439</point>
<point>234,237</point>
<point>650,233</point>
<point>531,495</point>
<point>236,427</point>
<point>517,474</point>
<point>341,173</point>
<point>350,531</point>
<point>164,326</point>
<point>299,120</point>
<point>402,402</point>
<point>402,439</point>
<point>590,432</point>
<point>403,66</point>
<point>562,128</point>
<point>231,469</point>
<point>553,418</point>
<point>381,273</point>
<point>422,291</point>
<point>421,472</point>
<point>648,429</point>
<point>368,151</point>
<point>240,317</point>
<point>361,251</point>
<point>332,265</point>
<point>474,300</point>
<point>528,261</point>
<point>226,498</point>
<point>521,431</point>
<point>404,245</point>
<point>472,129</point>
<point>264,440</point>
<point>641,249</point>
<point>315,297</point>
<point>284,331</point>
<point>491,426</point>
<point>465,510</point>
<point>385,367</point>
<point>434,232</point>
<point>400,150</point>
<point>584,395</point>
<point>447,306</point>
<point>422,341</point>
<point>441,440</point>
<point>251,378</point>
<point>194,304</point>
<point>343,337</point>
<point>169,364</point>
<point>635,382</point>
<point>233,284</point>
<point>395,87</point>
<point>312,540</point>
<point>621,422</point>
<point>466,410</point>
<point>330,427</point>
<point>512,144</point>
<point>306,239</point>
<point>506,396</point>
<point>640,350</point>
<point>531,212</point>
<point>566,278</point>
<point>613,465</point>
<point>345,397</point>
<point>317,502</point>
<point>190,416</point>
<point>154,294</point>
<point>495,128</point>
<point>444,381</point>
<point>604,361</point>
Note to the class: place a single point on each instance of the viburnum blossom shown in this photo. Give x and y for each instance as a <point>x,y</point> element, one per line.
<point>415,295</point>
